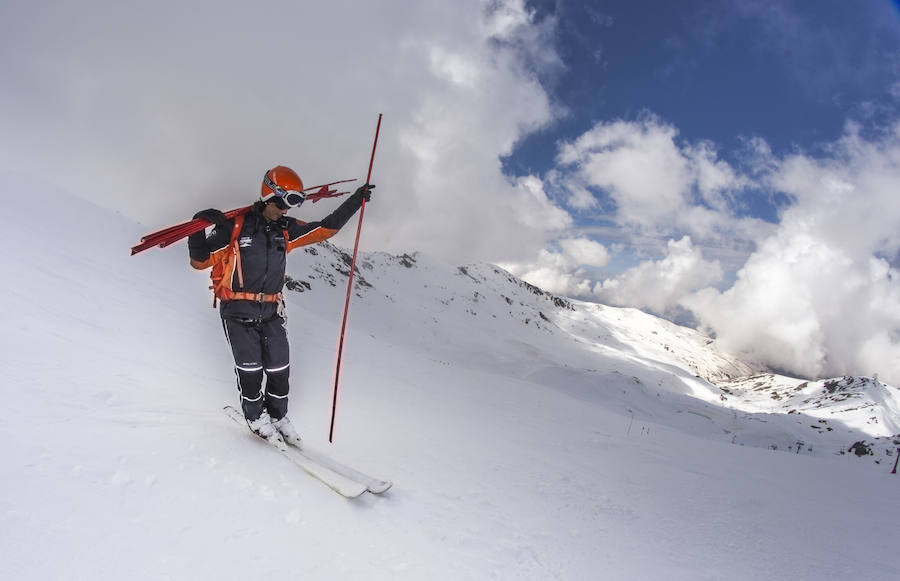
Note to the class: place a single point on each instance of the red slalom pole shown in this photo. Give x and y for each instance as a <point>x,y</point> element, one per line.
<point>340,351</point>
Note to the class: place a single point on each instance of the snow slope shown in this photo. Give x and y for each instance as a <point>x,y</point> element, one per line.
<point>481,317</point>
<point>528,438</point>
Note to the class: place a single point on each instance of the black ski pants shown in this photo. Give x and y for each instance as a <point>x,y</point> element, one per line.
<point>260,348</point>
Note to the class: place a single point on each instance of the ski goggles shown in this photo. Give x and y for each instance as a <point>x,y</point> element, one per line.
<point>284,199</point>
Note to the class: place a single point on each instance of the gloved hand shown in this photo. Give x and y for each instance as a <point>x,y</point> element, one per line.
<point>197,245</point>
<point>212,215</point>
<point>365,191</point>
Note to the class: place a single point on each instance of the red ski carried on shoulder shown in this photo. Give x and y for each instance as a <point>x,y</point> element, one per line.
<point>172,234</point>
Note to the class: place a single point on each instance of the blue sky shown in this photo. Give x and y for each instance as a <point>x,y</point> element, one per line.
<point>791,73</point>
<point>732,164</point>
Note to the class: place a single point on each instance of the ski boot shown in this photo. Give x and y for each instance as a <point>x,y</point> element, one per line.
<point>288,433</point>
<point>265,429</point>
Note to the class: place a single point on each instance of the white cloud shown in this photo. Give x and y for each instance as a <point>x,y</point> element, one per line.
<point>581,199</point>
<point>507,20</point>
<point>659,186</point>
<point>455,68</point>
<point>585,251</point>
<point>819,296</point>
<point>532,208</point>
<point>716,180</point>
<point>658,285</point>
<point>553,272</point>
<point>160,110</point>
<point>561,272</point>
<point>639,164</point>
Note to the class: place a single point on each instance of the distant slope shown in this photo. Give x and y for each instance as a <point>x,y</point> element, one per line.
<point>516,329</point>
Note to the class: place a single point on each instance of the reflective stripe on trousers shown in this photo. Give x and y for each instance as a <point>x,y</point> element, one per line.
<point>260,348</point>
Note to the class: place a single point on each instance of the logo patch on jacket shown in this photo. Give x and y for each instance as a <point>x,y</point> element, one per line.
<point>245,242</point>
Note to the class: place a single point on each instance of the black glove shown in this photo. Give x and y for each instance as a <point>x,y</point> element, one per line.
<point>197,246</point>
<point>365,191</point>
<point>212,216</point>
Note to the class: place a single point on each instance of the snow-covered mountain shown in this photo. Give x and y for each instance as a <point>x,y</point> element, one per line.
<point>834,411</point>
<point>593,350</point>
<point>528,436</point>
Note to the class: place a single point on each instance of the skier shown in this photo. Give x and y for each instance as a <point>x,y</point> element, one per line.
<point>248,257</point>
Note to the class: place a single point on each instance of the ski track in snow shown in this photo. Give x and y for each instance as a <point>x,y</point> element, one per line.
<point>525,440</point>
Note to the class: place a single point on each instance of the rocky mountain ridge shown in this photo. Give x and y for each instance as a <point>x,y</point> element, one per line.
<point>676,372</point>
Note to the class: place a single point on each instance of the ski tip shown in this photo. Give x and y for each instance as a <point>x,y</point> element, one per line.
<point>380,488</point>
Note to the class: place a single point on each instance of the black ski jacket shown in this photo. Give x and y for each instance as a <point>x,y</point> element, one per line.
<point>263,252</point>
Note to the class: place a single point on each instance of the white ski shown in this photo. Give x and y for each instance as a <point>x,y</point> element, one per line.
<point>373,485</point>
<point>340,483</point>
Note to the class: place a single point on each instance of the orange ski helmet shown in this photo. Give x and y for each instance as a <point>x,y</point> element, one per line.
<point>284,183</point>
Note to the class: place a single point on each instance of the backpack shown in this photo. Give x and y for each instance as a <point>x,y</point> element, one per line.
<point>223,270</point>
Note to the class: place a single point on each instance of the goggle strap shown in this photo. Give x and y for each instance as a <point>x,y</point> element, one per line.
<point>272,185</point>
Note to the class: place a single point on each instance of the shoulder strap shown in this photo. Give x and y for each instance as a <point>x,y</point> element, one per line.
<point>221,271</point>
<point>238,224</point>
